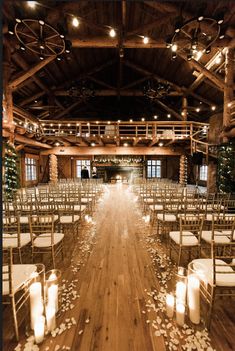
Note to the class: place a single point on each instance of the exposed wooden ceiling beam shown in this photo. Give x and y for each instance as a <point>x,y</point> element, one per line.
<point>25,66</point>
<point>112,150</point>
<point>30,72</point>
<point>210,75</point>
<point>136,82</point>
<point>105,42</point>
<point>113,92</point>
<point>68,109</point>
<point>169,109</point>
<point>27,101</point>
<point>27,141</point>
<point>98,81</point>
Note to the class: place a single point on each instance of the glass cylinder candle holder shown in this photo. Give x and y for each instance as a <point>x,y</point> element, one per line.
<point>196,283</point>
<point>181,285</point>
<point>36,293</point>
<point>52,289</point>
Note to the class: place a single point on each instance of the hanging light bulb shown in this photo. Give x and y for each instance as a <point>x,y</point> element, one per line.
<point>213,108</point>
<point>197,109</point>
<point>11,27</point>
<point>145,40</point>
<point>218,59</point>
<point>174,47</point>
<point>112,33</point>
<point>208,50</point>
<point>174,55</point>
<point>32,4</point>
<point>68,46</point>
<point>75,22</point>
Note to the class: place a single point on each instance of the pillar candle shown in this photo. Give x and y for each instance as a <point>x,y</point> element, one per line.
<point>180,313</point>
<point>50,317</point>
<point>36,305</point>
<point>180,292</point>
<point>170,303</point>
<point>52,293</point>
<point>194,299</point>
<point>39,329</point>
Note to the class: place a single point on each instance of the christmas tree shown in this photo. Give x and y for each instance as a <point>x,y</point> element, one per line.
<point>11,179</point>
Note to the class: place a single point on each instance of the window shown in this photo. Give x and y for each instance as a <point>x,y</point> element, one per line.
<point>203,173</point>
<point>30,169</point>
<point>79,164</point>
<point>153,168</point>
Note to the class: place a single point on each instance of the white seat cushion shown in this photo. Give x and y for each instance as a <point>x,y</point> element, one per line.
<point>228,232</point>
<point>69,219</point>
<point>148,200</point>
<point>12,241</point>
<point>79,208</point>
<point>10,220</point>
<point>188,238</point>
<point>168,217</point>
<point>24,219</point>
<point>20,274</point>
<point>44,240</point>
<point>85,200</point>
<point>156,207</point>
<point>218,237</point>
<point>222,279</point>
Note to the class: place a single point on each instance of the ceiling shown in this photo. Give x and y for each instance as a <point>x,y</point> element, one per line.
<point>96,61</point>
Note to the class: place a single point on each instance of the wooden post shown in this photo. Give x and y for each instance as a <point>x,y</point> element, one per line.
<point>184,108</point>
<point>7,93</point>
<point>228,90</point>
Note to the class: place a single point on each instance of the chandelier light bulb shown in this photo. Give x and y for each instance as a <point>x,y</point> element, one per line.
<point>218,59</point>
<point>174,47</point>
<point>145,40</point>
<point>32,4</point>
<point>75,22</point>
<point>112,33</point>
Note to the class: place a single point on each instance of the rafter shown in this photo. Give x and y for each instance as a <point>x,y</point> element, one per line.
<point>30,72</point>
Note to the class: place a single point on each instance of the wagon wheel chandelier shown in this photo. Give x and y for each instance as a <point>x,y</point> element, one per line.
<point>155,90</point>
<point>39,37</point>
<point>196,36</point>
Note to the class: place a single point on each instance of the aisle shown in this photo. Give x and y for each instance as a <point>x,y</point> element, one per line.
<point>115,277</point>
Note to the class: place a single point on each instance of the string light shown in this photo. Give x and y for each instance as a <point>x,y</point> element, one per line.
<point>112,33</point>
<point>155,117</point>
<point>131,120</point>
<point>125,144</point>
<point>213,108</point>
<point>197,109</point>
<point>145,40</point>
<point>92,144</point>
<point>75,22</point>
<point>142,119</point>
<point>169,115</point>
<point>160,144</point>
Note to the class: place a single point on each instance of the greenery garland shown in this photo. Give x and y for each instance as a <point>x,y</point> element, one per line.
<point>11,174</point>
<point>226,168</point>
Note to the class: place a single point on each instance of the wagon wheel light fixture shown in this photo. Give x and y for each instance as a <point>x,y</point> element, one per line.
<point>41,38</point>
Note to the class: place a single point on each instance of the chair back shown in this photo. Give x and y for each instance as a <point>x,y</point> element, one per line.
<point>42,224</point>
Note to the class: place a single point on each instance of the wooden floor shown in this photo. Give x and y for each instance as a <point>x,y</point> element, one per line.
<point>114,275</point>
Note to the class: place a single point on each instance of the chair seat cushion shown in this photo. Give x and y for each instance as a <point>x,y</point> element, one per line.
<point>148,200</point>
<point>156,207</point>
<point>228,232</point>
<point>78,208</point>
<point>12,240</point>
<point>218,237</point>
<point>69,219</point>
<point>44,240</point>
<point>167,218</point>
<point>24,219</point>
<point>188,238</point>
<point>20,274</point>
<point>205,266</point>
<point>85,200</point>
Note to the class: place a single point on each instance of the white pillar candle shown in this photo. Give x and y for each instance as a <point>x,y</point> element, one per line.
<point>180,292</point>
<point>52,293</point>
<point>170,303</point>
<point>39,329</point>
<point>194,299</point>
<point>180,313</point>
<point>36,305</point>
<point>50,317</point>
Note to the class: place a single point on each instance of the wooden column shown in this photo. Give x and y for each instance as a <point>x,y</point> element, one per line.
<point>211,179</point>
<point>184,108</point>
<point>7,93</point>
<point>228,90</point>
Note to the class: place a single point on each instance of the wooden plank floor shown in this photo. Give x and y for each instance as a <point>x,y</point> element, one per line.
<point>113,277</point>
